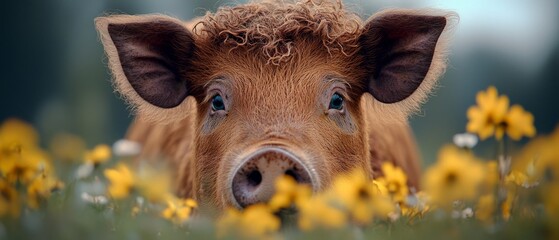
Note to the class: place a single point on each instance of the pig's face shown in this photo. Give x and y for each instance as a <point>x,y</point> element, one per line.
<point>279,89</point>
<point>258,121</point>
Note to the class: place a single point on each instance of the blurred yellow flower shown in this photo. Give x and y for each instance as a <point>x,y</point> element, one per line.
<point>362,197</point>
<point>487,117</point>
<point>21,159</point>
<point>517,177</point>
<point>416,206</point>
<point>150,182</point>
<point>67,147</point>
<point>519,123</point>
<point>485,208</point>
<point>40,189</point>
<point>288,192</point>
<point>100,154</point>
<point>24,164</point>
<point>16,132</point>
<point>314,212</point>
<point>178,210</point>
<point>256,221</point>
<point>456,176</point>
<point>228,223</point>
<point>121,181</point>
<point>539,157</point>
<point>153,183</point>
<point>395,181</point>
<point>9,199</point>
<point>318,212</point>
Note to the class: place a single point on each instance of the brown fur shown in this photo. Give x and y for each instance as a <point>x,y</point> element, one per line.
<point>275,63</point>
<point>272,26</point>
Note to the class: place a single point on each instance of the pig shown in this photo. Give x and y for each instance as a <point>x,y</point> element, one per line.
<point>252,92</point>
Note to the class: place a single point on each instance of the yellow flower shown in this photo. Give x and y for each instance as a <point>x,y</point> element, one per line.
<point>485,208</point>
<point>539,157</point>
<point>21,159</point>
<point>362,197</point>
<point>519,123</point>
<point>487,117</point>
<point>228,223</point>
<point>100,154</point>
<point>256,221</point>
<point>492,116</point>
<point>153,183</point>
<point>17,132</point>
<point>67,147</point>
<point>313,211</point>
<point>417,207</point>
<point>456,176</point>
<point>317,212</point>
<point>178,210</point>
<point>517,177</point>
<point>121,181</point>
<point>23,164</point>
<point>40,189</point>
<point>9,199</point>
<point>288,192</point>
<point>395,181</point>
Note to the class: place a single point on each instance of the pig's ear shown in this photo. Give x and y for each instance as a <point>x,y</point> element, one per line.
<point>404,54</point>
<point>149,56</point>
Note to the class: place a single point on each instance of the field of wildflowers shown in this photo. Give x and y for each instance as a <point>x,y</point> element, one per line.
<point>65,191</point>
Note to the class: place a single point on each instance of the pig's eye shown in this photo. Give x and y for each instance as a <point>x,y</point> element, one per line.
<point>217,103</point>
<point>336,102</point>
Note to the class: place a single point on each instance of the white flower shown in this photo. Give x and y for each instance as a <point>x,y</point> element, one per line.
<point>467,213</point>
<point>140,201</point>
<point>465,140</point>
<point>126,148</point>
<point>84,170</point>
<point>100,199</point>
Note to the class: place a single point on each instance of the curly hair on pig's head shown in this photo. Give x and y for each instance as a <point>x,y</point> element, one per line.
<point>273,27</point>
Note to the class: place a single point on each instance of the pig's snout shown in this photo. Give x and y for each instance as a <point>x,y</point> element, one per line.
<point>254,180</point>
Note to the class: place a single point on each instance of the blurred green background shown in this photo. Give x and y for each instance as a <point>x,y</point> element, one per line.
<point>55,74</point>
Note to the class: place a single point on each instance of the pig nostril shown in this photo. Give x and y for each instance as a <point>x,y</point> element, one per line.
<point>292,174</point>
<point>254,178</point>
